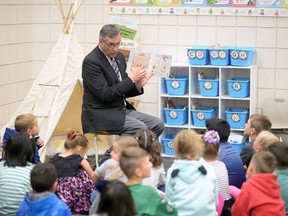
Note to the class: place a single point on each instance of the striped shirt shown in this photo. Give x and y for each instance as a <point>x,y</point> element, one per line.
<point>14,183</point>
<point>222,178</point>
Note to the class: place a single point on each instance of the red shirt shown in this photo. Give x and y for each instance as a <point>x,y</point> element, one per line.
<point>260,195</point>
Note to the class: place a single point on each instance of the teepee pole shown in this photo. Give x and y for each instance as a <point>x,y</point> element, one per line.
<point>68,17</point>
<point>71,20</point>
<point>59,4</point>
<point>78,7</point>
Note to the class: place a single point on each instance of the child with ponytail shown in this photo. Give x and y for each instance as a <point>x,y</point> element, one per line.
<point>75,176</point>
<point>147,141</point>
<point>211,151</point>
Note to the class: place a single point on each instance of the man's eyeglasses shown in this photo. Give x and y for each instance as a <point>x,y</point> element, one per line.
<point>111,46</point>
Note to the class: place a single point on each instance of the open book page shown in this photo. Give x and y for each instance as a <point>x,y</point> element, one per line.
<point>136,59</point>
<point>160,65</point>
<point>157,64</point>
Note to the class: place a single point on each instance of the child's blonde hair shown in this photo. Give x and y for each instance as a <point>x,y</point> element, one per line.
<point>188,145</point>
<point>264,162</point>
<point>265,139</point>
<point>24,122</point>
<point>131,159</point>
<point>126,142</point>
<point>74,139</point>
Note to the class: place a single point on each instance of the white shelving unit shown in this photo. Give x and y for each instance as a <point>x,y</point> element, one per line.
<point>223,101</point>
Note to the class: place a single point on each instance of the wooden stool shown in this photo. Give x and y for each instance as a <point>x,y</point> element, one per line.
<point>96,137</point>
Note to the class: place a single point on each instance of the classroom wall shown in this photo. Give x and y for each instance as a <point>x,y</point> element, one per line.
<point>30,28</point>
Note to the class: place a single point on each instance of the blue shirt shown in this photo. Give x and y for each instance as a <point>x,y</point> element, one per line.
<point>230,157</point>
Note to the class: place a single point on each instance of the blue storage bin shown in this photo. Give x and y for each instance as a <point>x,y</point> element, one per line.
<point>219,56</point>
<point>200,116</point>
<point>239,87</point>
<point>238,146</point>
<point>209,87</point>
<point>241,56</point>
<point>176,85</point>
<point>237,117</point>
<point>168,144</point>
<point>177,115</point>
<point>198,55</point>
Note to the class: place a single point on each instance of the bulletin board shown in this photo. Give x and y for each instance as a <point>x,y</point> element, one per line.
<point>201,7</point>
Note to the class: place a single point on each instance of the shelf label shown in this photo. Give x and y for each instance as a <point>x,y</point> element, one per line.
<point>170,144</point>
<point>215,54</point>
<point>236,86</point>
<point>236,54</point>
<point>175,84</point>
<point>199,54</point>
<point>200,116</point>
<point>235,117</point>
<point>208,85</point>
<point>173,114</point>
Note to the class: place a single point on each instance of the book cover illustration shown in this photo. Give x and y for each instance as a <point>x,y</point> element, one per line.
<point>157,64</point>
<point>160,65</point>
<point>136,59</point>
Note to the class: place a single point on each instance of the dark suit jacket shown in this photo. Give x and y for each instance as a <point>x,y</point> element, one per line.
<point>104,94</point>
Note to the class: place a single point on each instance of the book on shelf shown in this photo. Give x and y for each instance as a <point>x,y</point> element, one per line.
<point>157,64</point>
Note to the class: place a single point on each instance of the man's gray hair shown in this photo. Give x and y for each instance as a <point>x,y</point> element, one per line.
<point>108,31</point>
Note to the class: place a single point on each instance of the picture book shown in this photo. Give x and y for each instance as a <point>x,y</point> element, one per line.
<point>160,65</point>
<point>157,64</point>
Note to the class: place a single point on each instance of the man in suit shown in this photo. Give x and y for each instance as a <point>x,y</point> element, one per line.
<point>106,85</point>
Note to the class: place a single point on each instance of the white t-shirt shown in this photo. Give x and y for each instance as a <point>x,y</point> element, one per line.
<point>157,178</point>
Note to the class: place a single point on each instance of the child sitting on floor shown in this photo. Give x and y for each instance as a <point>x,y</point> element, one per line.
<point>260,195</point>
<point>43,201</point>
<point>191,183</point>
<point>264,140</point>
<point>15,168</point>
<point>115,199</point>
<point>26,123</point>
<point>147,141</point>
<point>110,169</point>
<point>211,152</point>
<point>227,154</point>
<point>280,151</point>
<point>75,175</point>
<point>136,165</point>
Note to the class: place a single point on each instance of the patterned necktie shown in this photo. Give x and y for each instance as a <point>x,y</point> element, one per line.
<point>116,69</point>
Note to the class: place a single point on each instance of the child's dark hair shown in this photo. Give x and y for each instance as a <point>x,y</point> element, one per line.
<point>221,126</point>
<point>43,177</point>
<point>211,141</point>
<point>147,141</point>
<point>74,139</point>
<point>115,199</point>
<point>280,151</point>
<point>19,150</point>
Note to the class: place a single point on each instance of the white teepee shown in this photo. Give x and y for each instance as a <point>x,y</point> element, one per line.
<point>56,95</point>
